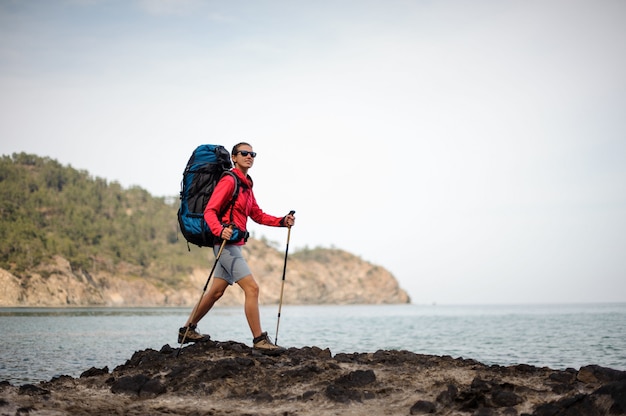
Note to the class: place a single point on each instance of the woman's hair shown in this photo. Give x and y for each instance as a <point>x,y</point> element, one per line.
<point>236,147</point>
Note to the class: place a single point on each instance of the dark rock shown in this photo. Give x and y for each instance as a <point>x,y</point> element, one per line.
<point>60,379</point>
<point>480,385</point>
<point>177,371</point>
<point>546,409</point>
<point>304,373</point>
<point>166,349</point>
<point>422,407</point>
<point>609,399</point>
<point>484,411</point>
<point>353,358</point>
<point>617,391</point>
<point>525,368</point>
<point>580,404</point>
<point>471,400</point>
<point>448,396</point>
<point>32,390</point>
<point>93,372</point>
<point>298,354</point>
<point>23,411</point>
<point>129,384</point>
<point>228,367</point>
<point>152,388</point>
<point>562,377</point>
<point>564,381</point>
<point>342,394</point>
<point>212,378</point>
<point>358,378</point>
<point>598,374</point>
<point>503,398</point>
<point>261,396</point>
<point>562,388</point>
<point>345,388</point>
<point>308,394</point>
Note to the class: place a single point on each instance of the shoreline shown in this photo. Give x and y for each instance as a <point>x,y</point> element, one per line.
<point>216,378</point>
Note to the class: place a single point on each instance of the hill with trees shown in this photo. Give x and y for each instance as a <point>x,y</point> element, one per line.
<point>68,238</point>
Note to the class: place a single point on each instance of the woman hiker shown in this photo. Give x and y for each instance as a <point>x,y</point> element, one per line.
<point>232,267</point>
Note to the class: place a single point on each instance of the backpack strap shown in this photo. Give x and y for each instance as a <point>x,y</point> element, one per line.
<point>231,204</point>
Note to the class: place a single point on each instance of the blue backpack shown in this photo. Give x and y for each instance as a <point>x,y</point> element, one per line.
<point>206,166</point>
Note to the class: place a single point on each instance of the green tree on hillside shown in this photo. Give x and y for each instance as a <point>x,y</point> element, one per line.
<point>47,209</point>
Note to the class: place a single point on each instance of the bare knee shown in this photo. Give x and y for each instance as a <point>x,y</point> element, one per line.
<point>252,290</point>
<point>250,287</point>
<point>216,294</point>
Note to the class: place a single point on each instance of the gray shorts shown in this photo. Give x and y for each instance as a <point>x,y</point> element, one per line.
<point>231,267</point>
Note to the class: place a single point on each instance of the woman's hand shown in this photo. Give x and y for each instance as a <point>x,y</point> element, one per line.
<point>289,220</point>
<point>227,233</point>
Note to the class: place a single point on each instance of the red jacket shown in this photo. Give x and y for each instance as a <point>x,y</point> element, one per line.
<point>245,206</point>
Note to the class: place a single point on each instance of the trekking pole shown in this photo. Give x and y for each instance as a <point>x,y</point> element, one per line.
<point>193,312</point>
<point>282,285</point>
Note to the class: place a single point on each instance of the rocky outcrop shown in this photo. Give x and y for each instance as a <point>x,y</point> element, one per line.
<point>216,378</point>
<point>329,277</point>
<point>336,277</point>
<point>56,284</point>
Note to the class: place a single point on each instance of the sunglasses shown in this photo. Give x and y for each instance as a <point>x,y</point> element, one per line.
<point>245,153</point>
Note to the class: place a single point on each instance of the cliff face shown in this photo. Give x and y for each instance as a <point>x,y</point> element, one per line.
<point>328,277</point>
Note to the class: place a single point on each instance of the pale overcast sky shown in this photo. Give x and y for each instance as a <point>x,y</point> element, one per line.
<point>477,150</point>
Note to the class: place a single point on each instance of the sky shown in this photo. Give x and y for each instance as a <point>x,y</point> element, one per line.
<point>476,150</point>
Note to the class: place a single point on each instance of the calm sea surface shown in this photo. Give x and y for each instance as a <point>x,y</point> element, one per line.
<point>38,344</point>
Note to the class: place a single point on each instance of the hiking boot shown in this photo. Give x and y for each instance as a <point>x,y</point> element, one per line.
<point>263,344</point>
<point>192,335</point>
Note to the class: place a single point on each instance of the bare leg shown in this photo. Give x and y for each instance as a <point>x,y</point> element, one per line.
<point>251,304</point>
<point>215,292</point>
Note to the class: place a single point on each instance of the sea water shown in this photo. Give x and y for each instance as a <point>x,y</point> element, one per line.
<point>37,344</point>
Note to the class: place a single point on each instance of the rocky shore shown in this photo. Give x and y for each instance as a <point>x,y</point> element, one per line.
<point>229,378</point>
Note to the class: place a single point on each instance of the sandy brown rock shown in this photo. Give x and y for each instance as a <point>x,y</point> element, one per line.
<point>57,284</point>
<point>328,277</point>
<point>229,378</point>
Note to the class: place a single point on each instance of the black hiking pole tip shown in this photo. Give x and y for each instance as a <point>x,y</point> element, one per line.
<point>282,285</point>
